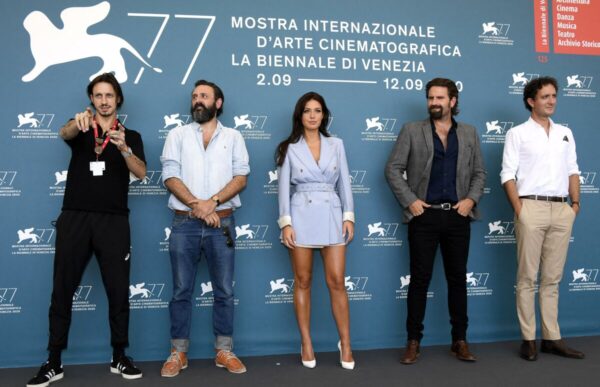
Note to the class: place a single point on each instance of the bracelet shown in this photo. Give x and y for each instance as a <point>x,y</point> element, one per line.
<point>572,203</point>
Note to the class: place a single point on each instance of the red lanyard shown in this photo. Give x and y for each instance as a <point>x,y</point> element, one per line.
<point>99,143</point>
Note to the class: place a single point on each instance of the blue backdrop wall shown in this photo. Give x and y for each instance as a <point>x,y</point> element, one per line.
<point>371,61</point>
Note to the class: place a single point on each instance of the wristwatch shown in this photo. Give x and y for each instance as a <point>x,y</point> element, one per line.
<point>127,153</point>
<point>215,199</point>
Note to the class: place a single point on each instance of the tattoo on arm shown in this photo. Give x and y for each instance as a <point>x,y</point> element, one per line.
<point>69,131</point>
<point>136,166</point>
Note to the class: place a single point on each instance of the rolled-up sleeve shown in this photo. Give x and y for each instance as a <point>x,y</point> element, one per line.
<point>572,167</point>
<point>510,157</point>
<point>171,157</point>
<point>241,160</point>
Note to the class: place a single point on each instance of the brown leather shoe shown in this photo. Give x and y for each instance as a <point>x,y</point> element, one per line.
<point>460,349</point>
<point>227,359</point>
<point>176,362</point>
<point>412,352</point>
<point>528,350</point>
<point>558,347</point>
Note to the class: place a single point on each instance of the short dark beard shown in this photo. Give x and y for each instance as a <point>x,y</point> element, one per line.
<point>436,115</point>
<point>206,114</point>
<point>99,112</point>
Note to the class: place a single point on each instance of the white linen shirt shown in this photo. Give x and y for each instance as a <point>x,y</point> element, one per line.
<point>541,164</point>
<point>204,171</point>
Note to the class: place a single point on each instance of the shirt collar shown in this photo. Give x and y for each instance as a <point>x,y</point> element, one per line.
<point>452,127</point>
<point>198,127</point>
<point>535,123</point>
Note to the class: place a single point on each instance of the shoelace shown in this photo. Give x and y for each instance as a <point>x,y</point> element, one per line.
<point>227,355</point>
<point>174,357</point>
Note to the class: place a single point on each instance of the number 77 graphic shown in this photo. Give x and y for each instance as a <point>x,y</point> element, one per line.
<point>160,31</point>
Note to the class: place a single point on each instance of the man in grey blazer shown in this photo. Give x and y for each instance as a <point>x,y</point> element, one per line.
<point>436,172</point>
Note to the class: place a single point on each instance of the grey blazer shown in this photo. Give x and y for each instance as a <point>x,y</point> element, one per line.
<point>413,154</point>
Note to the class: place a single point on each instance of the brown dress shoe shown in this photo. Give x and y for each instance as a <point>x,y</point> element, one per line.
<point>528,350</point>
<point>228,360</point>
<point>412,352</point>
<point>176,362</point>
<point>460,349</point>
<point>558,347</point>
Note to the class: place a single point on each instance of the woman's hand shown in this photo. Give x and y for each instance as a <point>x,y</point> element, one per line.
<point>348,231</point>
<point>288,237</point>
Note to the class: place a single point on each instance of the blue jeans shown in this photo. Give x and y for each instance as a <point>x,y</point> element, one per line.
<point>190,239</point>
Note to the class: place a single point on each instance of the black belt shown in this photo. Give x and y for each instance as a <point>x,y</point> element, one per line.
<point>441,206</point>
<point>543,198</point>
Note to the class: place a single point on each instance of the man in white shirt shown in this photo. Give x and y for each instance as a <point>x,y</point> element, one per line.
<point>205,166</point>
<point>539,175</point>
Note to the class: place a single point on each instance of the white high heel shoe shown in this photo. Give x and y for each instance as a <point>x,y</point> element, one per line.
<point>308,363</point>
<point>348,365</point>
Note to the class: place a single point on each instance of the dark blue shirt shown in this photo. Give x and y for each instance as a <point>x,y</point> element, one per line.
<point>442,181</point>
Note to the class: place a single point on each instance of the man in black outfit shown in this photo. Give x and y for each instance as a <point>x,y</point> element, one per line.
<point>95,220</point>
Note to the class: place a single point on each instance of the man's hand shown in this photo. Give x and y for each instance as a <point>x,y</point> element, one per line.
<point>518,208</point>
<point>575,207</point>
<point>464,207</point>
<point>418,207</point>
<point>84,119</point>
<point>202,208</point>
<point>117,137</point>
<point>212,220</point>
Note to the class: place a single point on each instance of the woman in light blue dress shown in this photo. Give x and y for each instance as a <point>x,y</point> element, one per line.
<point>316,211</point>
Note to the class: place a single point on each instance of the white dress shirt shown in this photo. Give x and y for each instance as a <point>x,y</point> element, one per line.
<point>204,171</point>
<point>540,163</point>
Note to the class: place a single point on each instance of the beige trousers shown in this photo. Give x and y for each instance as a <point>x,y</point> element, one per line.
<point>543,230</point>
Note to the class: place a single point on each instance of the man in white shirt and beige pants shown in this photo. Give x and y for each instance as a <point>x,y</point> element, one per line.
<point>539,175</point>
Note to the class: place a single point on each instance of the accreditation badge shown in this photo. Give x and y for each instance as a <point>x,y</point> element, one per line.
<point>97,167</point>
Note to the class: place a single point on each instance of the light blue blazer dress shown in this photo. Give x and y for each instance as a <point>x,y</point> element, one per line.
<point>315,198</point>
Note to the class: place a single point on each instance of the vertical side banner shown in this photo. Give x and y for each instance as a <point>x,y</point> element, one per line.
<point>541,27</point>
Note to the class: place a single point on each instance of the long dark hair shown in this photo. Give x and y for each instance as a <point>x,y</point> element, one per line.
<point>298,128</point>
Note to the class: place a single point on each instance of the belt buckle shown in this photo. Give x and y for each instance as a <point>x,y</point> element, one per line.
<point>446,206</point>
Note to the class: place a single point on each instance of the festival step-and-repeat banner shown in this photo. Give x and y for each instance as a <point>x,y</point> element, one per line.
<point>371,61</point>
